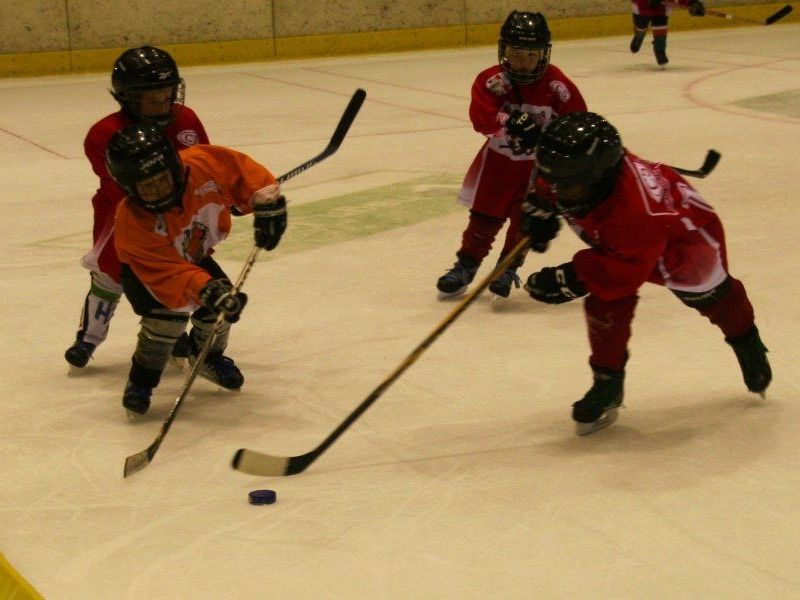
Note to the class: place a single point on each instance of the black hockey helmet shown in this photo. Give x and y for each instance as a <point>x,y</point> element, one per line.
<point>141,69</point>
<point>147,167</point>
<point>523,49</point>
<point>580,157</point>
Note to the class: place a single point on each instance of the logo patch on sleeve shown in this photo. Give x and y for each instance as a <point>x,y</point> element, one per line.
<point>187,137</point>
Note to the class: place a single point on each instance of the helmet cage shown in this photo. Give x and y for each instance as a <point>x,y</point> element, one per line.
<point>524,31</point>
<point>139,70</point>
<point>147,168</point>
<point>579,159</point>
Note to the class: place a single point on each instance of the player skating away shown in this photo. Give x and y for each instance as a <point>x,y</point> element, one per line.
<point>146,83</point>
<point>654,14</point>
<point>178,207</point>
<point>511,103</point>
<point>643,223</point>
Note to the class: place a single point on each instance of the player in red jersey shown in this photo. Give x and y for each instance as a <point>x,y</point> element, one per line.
<point>655,14</point>
<point>178,206</point>
<point>511,103</point>
<point>643,223</point>
<point>146,83</point>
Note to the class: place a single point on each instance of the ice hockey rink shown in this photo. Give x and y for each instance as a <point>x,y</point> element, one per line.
<point>465,479</point>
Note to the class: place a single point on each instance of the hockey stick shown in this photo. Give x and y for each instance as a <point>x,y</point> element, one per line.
<point>266,465</point>
<point>712,158</point>
<point>777,16</point>
<point>137,462</point>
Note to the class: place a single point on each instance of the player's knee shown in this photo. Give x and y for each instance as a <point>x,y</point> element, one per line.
<point>157,336</point>
<point>704,300</point>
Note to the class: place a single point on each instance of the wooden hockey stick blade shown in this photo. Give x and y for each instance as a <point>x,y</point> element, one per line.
<point>712,158</point>
<point>266,465</point>
<point>779,15</point>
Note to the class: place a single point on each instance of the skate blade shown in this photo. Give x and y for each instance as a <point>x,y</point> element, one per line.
<point>604,421</point>
<point>497,302</point>
<point>133,416</point>
<point>452,295</point>
<point>179,362</point>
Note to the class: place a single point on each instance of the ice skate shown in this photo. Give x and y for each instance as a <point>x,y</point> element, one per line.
<point>661,58</point>
<point>599,407</point>
<point>752,356</point>
<point>636,42</point>
<point>220,369</point>
<point>136,399</point>
<point>79,353</point>
<point>456,280</point>
<point>501,287</point>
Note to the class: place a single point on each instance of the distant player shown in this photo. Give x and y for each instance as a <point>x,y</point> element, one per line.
<point>146,83</point>
<point>511,103</point>
<point>655,14</point>
<point>178,206</point>
<point>643,223</point>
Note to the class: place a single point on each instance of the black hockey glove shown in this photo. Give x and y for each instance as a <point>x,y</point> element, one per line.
<point>523,132</point>
<point>555,285</point>
<point>216,296</point>
<point>696,8</point>
<point>269,223</point>
<point>540,224</point>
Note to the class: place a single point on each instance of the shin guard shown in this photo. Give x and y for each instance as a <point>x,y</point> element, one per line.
<point>609,325</point>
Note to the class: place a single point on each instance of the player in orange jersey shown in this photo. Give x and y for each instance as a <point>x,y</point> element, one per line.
<point>178,206</point>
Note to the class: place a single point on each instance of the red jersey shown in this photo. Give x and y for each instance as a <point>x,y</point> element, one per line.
<point>184,130</point>
<point>653,227</point>
<point>647,8</point>
<point>494,96</point>
<point>497,178</point>
<point>163,249</point>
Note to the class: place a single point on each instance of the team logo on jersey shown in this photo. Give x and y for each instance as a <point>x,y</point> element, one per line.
<point>561,90</point>
<point>194,242</point>
<point>654,184</point>
<point>498,84</point>
<point>188,137</point>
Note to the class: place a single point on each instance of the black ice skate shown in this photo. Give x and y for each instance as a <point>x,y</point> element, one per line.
<point>136,398</point>
<point>598,408</point>
<point>752,356</point>
<point>661,58</point>
<point>502,285</point>
<point>221,370</point>
<point>636,42</point>
<point>455,281</point>
<point>79,353</point>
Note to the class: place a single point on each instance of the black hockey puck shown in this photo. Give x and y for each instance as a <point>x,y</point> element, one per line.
<point>262,497</point>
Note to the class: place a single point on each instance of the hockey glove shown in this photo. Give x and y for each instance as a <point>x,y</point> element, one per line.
<point>696,8</point>
<point>523,132</point>
<point>555,285</point>
<point>540,224</point>
<point>269,223</point>
<point>216,296</point>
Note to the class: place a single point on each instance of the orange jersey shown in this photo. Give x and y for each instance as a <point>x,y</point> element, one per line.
<point>163,249</point>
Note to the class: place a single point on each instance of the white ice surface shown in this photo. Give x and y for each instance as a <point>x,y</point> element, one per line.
<point>465,479</point>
